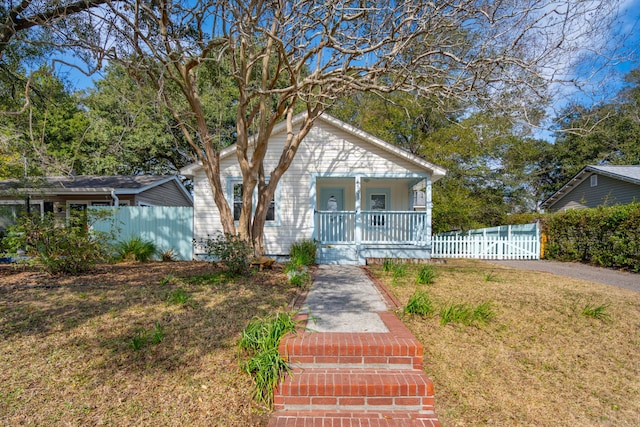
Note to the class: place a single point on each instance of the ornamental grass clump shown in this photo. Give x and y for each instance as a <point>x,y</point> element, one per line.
<point>136,249</point>
<point>259,342</point>
<point>426,275</point>
<point>420,304</point>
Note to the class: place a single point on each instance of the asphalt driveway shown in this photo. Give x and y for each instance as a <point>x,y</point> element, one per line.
<point>621,279</point>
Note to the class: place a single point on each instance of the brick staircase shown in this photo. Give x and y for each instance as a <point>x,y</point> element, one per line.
<point>355,379</point>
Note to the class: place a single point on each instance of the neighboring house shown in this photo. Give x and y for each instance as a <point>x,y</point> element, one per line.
<point>597,186</point>
<point>60,195</point>
<point>358,196</point>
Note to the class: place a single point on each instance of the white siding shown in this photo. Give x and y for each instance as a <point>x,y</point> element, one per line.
<point>326,150</point>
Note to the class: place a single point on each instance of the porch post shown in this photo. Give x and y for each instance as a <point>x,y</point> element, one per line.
<point>427,208</point>
<point>358,222</point>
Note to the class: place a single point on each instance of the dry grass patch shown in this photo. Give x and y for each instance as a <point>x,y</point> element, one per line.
<point>138,344</point>
<point>540,361</point>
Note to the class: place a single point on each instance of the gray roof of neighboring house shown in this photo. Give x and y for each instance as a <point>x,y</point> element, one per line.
<point>624,173</point>
<point>122,184</point>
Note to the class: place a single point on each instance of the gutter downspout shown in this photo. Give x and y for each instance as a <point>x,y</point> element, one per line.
<point>116,201</point>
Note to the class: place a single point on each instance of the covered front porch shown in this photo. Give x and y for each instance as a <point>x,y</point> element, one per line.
<point>359,218</point>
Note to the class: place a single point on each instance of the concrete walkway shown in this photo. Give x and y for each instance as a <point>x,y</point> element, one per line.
<point>343,299</point>
<point>355,364</point>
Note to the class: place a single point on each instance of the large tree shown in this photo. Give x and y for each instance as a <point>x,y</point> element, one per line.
<point>48,134</point>
<point>305,54</point>
<point>606,133</point>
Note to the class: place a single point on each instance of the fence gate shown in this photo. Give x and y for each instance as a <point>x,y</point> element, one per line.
<point>500,243</point>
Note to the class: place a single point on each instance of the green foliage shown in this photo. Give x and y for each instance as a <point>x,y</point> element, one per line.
<point>297,274</point>
<point>142,337</point>
<point>492,167</point>
<point>50,131</point>
<point>135,249</point>
<point>179,297</point>
<point>128,110</point>
<point>605,236</point>
<point>387,265</point>
<point>70,249</point>
<point>303,252</point>
<point>596,311</point>
<point>426,275</point>
<point>466,314</point>
<point>168,255</point>
<point>420,304</point>
<point>491,277</point>
<point>399,270</point>
<point>139,340</point>
<point>259,342</point>
<point>231,250</point>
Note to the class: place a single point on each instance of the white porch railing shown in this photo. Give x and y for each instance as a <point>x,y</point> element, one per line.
<point>486,247</point>
<point>372,227</point>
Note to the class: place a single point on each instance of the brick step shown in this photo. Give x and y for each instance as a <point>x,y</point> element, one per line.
<point>351,419</point>
<point>372,350</point>
<point>356,390</point>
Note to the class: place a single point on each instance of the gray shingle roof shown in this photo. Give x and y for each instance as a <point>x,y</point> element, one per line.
<point>88,182</point>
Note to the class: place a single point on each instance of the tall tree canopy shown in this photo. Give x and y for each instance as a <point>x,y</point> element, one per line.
<point>607,133</point>
<point>289,55</point>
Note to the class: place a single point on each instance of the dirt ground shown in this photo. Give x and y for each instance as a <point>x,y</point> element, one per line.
<point>151,344</point>
<point>16,276</point>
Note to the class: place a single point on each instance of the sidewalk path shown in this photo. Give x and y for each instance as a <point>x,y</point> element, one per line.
<point>357,365</point>
<point>343,299</point>
<point>606,276</point>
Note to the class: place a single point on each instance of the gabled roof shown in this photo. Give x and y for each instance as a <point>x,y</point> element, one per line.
<point>119,184</point>
<point>436,171</point>
<point>623,173</point>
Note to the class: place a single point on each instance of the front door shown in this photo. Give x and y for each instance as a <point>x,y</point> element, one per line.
<point>333,227</point>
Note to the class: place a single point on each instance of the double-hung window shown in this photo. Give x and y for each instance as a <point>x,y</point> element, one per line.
<point>236,197</point>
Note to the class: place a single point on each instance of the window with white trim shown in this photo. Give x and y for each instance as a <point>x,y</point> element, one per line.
<point>594,180</point>
<point>236,197</point>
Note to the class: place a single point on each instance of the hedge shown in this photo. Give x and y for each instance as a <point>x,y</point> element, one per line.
<point>605,236</point>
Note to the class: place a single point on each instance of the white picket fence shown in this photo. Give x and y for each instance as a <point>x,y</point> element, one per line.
<point>486,246</point>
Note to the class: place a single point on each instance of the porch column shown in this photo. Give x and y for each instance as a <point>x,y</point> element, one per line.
<point>427,208</point>
<point>358,223</point>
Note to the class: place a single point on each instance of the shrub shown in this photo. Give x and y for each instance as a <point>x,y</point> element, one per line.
<point>426,275</point>
<point>419,304</point>
<point>259,341</point>
<point>71,249</point>
<point>304,252</point>
<point>298,275</point>
<point>168,255</point>
<point>136,249</point>
<point>233,251</point>
<point>604,236</point>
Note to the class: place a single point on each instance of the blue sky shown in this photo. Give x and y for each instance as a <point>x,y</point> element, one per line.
<point>612,82</point>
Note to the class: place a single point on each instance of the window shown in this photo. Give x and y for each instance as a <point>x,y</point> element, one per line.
<point>237,192</point>
<point>378,202</point>
<point>594,180</point>
<point>237,201</point>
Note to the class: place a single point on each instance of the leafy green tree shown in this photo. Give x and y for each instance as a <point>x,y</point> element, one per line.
<point>287,56</point>
<point>603,134</point>
<point>130,131</point>
<point>492,166</point>
<point>48,132</point>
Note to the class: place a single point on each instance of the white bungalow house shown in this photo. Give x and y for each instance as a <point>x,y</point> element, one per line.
<point>358,196</point>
